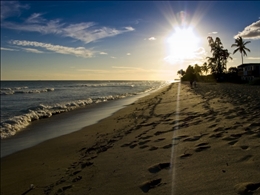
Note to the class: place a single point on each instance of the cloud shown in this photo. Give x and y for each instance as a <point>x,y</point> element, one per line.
<point>50,27</point>
<point>32,50</point>
<point>128,54</point>
<point>250,32</point>
<point>8,49</point>
<point>35,18</point>
<point>113,57</point>
<point>211,33</point>
<point>85,31</point>
<point>138,21</point>
<point>129,28</point>
<point>152,39</point>
<point>88,32</point>
<point>126,67</point>
<point>94,70</point>
<point>11,8</point>
<point>253,58</point>
<point>78,51</point>
<point>103,53</point>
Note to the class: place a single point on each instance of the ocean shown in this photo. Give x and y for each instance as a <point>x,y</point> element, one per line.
<point>35,111</point>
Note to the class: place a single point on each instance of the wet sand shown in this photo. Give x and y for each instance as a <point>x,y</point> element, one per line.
<point>203,141</point>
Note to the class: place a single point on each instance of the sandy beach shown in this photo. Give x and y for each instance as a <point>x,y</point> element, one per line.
<point>177,140</point>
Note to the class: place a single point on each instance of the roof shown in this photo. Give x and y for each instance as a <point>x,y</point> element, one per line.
<point>249,64</point>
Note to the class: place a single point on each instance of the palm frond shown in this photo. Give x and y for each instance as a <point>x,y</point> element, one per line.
<point>235,50</point>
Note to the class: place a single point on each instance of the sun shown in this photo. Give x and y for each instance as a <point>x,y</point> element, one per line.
<point>182,45</point>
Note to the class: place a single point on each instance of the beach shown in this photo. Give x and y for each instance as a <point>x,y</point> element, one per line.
<point>178,140</point>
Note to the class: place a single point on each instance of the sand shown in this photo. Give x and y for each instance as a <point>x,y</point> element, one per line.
<point>203,141</point>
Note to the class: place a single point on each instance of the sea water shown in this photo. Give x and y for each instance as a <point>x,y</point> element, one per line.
<point>27,104</point>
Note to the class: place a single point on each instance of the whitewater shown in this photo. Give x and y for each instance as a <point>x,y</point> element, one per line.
<point>23,102</point>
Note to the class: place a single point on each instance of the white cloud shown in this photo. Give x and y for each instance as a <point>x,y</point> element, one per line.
<point>11,8</point>
<point>128,54</point>
<point>8,49</point>
<point>78,51</point>
<point>113,57</point>
<point>213,33</point>
<point>126,67</point>
<point>152,39</point>
<point>253,58</point>
<point>138,21</point>
<point>50,27</point>
<point>250,32</point>
<point>129,28</point>
<point>103,53</point>
<point>93,70</point>
<point>32,50</point>
<point>35,18</point>
<point>86,31</point>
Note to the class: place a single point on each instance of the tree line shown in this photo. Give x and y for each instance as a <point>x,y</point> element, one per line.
<point>216,64</point>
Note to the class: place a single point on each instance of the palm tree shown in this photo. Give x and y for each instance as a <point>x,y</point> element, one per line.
<point>205,68</point>
<point>217,63</point>
<point>197,69</point>
<point>181,72</point>
<point>240,44</point>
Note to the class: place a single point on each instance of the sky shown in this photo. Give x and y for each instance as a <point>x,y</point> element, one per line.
<point>120,40</point>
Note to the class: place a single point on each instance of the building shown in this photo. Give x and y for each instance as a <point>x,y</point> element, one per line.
<point>249,71</point>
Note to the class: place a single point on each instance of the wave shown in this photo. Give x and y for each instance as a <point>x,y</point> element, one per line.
<point>23,90</point>
<point>13,125</point>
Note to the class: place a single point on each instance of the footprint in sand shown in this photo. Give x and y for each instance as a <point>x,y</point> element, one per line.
<point>229,138</point>
<point>145,187</point>
<point>158,167</point>
<point>167,146</point>
<point>162,132</point>
<point>143,146</point>
<point>64,188</point>
<point>245,158</point>
<point>185,155</point>
<point>153,148</point>
<point>146,137</point>
<point>180,137</point>
<point>211,126</point>
<point>144,142</point>
<point>219,129</point>
<point>244,147</point>
<point>159,140</point>
<point>191,139</point>
<point>247,188</point>
<point>216,135</point>
<point>130,145</point>
<point>77,179</point>
<point>232,143</point>
<point>202,146</point>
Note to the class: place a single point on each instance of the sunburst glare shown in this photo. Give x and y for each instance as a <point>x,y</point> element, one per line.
<point>182,45</point>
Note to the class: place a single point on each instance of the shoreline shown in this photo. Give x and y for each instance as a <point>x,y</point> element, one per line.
<point>211,145</point>
<point>69,122</point>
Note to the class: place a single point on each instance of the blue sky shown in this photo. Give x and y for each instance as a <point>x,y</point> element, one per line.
<point>111,40</point>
